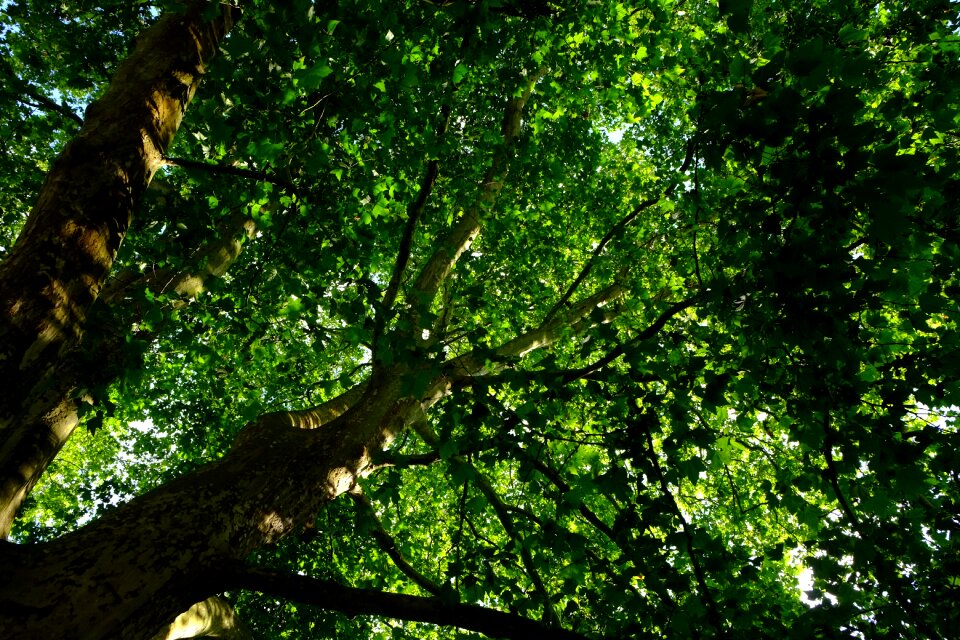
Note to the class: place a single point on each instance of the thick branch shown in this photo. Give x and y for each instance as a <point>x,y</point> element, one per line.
<point>352,602</point>
<point>406,242</point>
<point>211,260</point>
<point>549,332</point>
<point>481,363</point>
<point>529,10</point>
<point>318,416</point>
<point>52,416</point>
<point>389,459</point>
<point>414,211</point>
<point>144,562</point>
<point>60,260</point>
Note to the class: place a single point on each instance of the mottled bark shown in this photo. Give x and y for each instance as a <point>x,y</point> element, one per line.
<point>133,571</point>
<point>59,263</point>
<point>142,564</point>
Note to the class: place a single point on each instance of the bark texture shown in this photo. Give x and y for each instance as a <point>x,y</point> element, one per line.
<point>61,259</point>
<point>134,570</point>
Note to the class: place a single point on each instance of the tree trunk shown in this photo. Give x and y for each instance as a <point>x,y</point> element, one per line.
<point>135,569</point>
<point>67,247</point>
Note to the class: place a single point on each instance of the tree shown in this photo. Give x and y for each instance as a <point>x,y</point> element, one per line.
<point>611,320</point>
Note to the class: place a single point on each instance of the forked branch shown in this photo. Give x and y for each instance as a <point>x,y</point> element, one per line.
<point>618,228</point>
<point>441,263</point>
<point>485,362</point>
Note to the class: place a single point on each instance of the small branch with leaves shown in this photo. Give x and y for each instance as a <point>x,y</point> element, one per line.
<point>504,515</point>
<point>389,545</point>
<point>617,229</point>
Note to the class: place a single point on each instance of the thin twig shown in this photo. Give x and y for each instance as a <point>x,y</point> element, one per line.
<point>615,230</point>
<point>389,545</point>
<point>698,572</point>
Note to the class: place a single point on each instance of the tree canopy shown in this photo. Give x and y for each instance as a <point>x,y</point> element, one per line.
<point>586,318</point>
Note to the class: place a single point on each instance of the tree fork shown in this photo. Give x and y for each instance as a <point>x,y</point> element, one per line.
<point>139,566</point>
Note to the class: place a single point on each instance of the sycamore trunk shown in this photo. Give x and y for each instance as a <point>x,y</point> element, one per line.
<point>60,261</point>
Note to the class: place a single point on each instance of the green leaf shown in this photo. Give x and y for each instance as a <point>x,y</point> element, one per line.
<point>310,78</point>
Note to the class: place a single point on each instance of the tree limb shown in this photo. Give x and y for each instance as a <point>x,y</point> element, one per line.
<point>211,260</point>
<point>413,215</point>
<point>414,211</point>
<point>315,417</point>
<point>43,102</point>
<point>439,265</point>
<point>51,105</point>
<point>352,601</point>
<point>485,362</point>
<point>81,215</point>
<point>646,334</point>
<point>225,169</point>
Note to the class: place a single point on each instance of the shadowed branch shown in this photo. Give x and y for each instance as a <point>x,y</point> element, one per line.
<point>352,601</point>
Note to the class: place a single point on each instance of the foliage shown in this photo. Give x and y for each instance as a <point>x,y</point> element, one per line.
<point>771,184</point>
